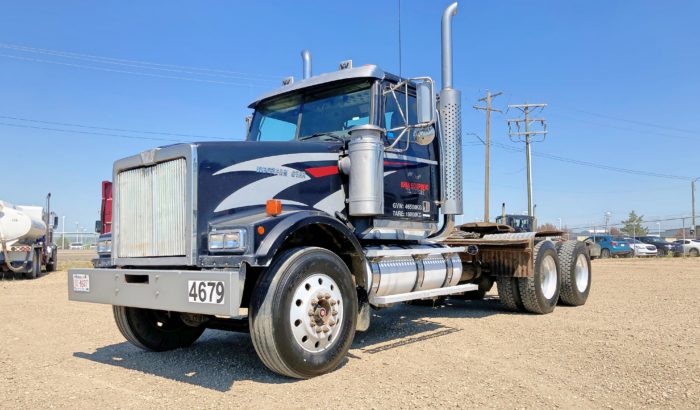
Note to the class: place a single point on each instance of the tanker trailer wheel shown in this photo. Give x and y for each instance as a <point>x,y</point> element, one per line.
<point>53,262</point>
<point>540,292</point>
<point>575,266</point>
<point>303,313</point>
<point>35,268</point>
<point>155,330</point>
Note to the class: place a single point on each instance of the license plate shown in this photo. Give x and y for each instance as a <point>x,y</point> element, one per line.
<point>206,291</point>
<point>81,282</point>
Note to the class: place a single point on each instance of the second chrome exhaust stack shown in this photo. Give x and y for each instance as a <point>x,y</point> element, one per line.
<point>306,58</point>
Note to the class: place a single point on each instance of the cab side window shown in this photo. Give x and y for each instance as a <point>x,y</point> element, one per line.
<point>394,105</point>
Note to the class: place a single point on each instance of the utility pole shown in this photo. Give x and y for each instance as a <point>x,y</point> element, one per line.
<point>526,137</point>
<point>694,230</point>
<point>487,165</point>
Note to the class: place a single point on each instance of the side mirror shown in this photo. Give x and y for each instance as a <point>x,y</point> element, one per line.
<point>248,122</point>
<point>98,226</point>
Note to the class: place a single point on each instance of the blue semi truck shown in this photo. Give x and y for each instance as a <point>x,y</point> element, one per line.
<point>341,199</point>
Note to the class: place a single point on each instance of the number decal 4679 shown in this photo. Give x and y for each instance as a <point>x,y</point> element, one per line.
<point>205,291</point>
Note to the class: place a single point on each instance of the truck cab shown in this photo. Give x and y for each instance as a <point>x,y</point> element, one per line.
<point>520,223</point>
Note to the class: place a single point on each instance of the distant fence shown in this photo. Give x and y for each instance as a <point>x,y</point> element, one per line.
<point>682,229</point>
<point>64,239</point>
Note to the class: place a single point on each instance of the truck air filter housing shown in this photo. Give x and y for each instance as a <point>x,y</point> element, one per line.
<point>366,152</point>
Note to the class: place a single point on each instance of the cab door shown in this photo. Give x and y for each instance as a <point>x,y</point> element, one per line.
<point>411,173</point>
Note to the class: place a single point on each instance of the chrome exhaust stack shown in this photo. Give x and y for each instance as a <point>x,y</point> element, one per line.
<point>450,111</point>
<point>450,108</point>
<point>306,58</point>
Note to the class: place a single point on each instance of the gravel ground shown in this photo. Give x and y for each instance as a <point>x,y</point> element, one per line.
<point>634,344</point>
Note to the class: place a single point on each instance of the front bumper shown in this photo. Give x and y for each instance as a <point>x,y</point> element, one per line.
<point>158,289</point>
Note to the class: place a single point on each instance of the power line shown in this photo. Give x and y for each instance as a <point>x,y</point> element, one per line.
<point>591,164</point>
<point>113,70</point>
<point>648,132</point>
<point>136,63</point>
<point>647,124</point>
<point>87,132</point>
<point>67,124</point>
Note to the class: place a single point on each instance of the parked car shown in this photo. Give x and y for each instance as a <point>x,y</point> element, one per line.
<point>593,248</point>
<point>690,247</point>
<point>75,245</point>
<point>640,248</point>
<point>610,246</point>
<point>663,246</point>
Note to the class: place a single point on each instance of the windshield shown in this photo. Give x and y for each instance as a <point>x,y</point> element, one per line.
<point>313,113</point>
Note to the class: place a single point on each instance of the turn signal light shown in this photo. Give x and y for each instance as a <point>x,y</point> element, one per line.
<point>273,207</point>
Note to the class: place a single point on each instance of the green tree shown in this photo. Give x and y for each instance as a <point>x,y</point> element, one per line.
<point>633,225</point>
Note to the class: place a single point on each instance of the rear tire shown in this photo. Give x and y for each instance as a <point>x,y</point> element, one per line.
<point>51,265</point>
<point>35,268</point>
<point>303,313</point>
<point>604,253</point>
<point>575,265</point>
<point>509,294</point>
<point>154,330</point>
<point>540,292</point>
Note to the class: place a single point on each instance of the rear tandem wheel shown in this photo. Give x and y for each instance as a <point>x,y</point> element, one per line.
<point>540,292</point>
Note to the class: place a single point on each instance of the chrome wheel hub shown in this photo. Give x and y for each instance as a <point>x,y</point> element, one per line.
<point>581,273</point>
<point>316,314</point>
<point>548,277</point>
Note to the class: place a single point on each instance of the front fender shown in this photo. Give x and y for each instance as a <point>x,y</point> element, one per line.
<point>291,223</point>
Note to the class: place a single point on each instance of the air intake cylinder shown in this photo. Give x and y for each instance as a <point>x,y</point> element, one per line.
<point>366,153</point>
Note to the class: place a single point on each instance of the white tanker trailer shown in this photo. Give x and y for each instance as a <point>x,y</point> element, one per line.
<point>26,238</point>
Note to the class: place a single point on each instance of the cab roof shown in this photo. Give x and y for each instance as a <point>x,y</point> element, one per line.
<point>366,71</point>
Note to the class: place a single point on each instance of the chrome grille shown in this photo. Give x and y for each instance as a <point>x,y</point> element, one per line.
<point>151,210</point>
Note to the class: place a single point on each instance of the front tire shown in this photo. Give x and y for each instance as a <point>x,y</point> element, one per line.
<point>303,313</point>
<point>575,265</point>
<point>694,253</point>
<point>540,292</point>
<point>154,330</point>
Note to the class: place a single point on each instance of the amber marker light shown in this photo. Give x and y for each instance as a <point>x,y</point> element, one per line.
<point>261,230</point>
<point>273,207</point>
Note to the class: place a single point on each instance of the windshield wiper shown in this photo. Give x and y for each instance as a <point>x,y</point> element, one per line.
<point>322,134</point>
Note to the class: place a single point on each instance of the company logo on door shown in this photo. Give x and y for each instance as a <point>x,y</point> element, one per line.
<point>414,186</point>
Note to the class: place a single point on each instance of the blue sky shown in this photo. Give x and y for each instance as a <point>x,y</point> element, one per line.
<point>620,78</point>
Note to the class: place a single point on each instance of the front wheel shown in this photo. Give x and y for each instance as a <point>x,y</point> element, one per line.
<point>604,253</point>
<point>694,253</point>
<point>154,330</point>
<point>303,313</point>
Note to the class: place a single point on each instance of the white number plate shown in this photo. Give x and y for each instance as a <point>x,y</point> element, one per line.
<point>205,291</point>
<point>81,282</point>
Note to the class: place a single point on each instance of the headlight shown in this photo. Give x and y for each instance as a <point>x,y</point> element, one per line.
<point>104,246</point>
<point>227,240</point>
<point>216,241</point>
